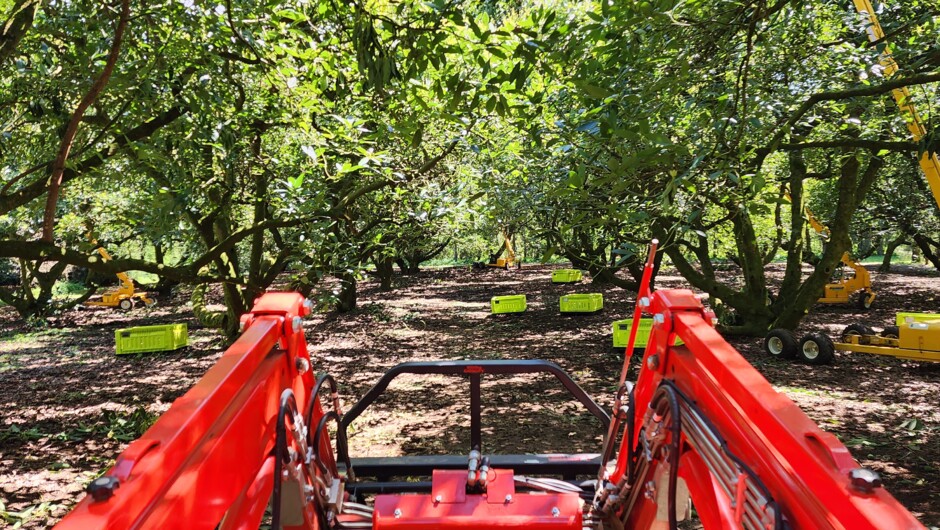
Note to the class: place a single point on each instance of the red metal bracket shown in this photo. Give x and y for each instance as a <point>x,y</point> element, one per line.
<point>208,453</point>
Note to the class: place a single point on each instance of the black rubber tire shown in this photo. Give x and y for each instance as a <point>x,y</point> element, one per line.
<point>891,332</point>
<point>856,329</point>
<point>816,348</point>
<point>863,302</point>
<point>781,343</point>
<point>126,304</point>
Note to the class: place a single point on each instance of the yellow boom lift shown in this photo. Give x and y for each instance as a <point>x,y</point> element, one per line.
<point>125,295</point>
<point>842,289</point>
<point>502,263</point>
<point>916,336</point>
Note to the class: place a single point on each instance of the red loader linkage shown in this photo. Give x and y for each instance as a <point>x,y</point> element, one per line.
<point>700,423</point>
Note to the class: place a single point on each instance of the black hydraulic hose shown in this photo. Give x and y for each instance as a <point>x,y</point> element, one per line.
<point>314,394</point>
<point>281,454</point>
<point>342,448</point>
<point>676,429</point>
<point>315,441</point>
<point>723,445</point>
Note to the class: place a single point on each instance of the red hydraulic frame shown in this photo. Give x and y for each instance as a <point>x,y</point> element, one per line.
<point>209,459</point>
<point>763,444</point>
<point>701,422</point>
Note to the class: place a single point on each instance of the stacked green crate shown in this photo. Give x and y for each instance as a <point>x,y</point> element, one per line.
<point>151,338</point>
<point>581,303</point>
<point>514,303</point>
<point>566,276</point>
<point>902,318</point>
<point>622,328</point>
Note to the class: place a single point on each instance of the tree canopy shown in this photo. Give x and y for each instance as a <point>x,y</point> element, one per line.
<point>237,141</point>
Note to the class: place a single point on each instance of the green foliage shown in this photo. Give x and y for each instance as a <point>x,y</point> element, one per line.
<point>235,142</point>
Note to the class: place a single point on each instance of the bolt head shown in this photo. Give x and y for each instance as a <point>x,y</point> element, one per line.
<point>439,498</point>
<point>864,479</point>
<point>308,305</point>
<point>556,512</point>
<point>297,324</point>
<point>659,318</point>
<point>508,499</point>
<point>653,362</point>
<point>397,513</point>
<point>102,488</point>
<point>644,302</point>
<point>302,365</point>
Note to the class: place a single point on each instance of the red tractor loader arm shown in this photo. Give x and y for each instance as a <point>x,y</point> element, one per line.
<point>699,425</point>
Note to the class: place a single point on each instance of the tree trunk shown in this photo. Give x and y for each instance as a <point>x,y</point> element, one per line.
<point>385,270</point>
<point>16,27</point>
<point>347,293</point>
<point>924,244</point>
<point>889,253</point>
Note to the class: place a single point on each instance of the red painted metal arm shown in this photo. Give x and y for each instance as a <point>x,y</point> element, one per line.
<point>805,470</point>
<point>210,452</point>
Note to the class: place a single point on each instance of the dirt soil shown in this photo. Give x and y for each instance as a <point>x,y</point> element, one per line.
<point>69,405</point>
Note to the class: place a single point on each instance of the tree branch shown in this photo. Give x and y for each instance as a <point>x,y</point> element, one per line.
<point>811,101</point>
<point>853,142</point>
<point>95,160</point>
<point>58,166</point>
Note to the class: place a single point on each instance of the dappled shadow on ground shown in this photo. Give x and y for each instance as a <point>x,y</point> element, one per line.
<point>69,405</point>
<point>82,402</point>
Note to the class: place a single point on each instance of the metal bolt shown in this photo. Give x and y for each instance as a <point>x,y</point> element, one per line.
<point>556,512</point>
<point>297,324</point>
<point>653,362</point>
<point>102,488</point>
<point>397,513</point>
<point>241,326</point>
<point>308,305</point>
<point>302,365</point>
<point>864,479</point>
<point>508,499</point>
<point>659,318</point>
<point>439,498</point>
<point>650,491</point>
<point>644,302</point>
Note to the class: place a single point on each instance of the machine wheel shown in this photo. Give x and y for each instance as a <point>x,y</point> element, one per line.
<point>781,343</point>
<point>891,332</point>
<point>856,329</point>
<point>817,348</point>
<point>126,304</point>
<point>864,301</point>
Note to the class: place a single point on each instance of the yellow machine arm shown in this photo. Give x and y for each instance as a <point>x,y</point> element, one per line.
<point>820,228</point>
<point>125,295</point>
<point>510,253</point>
<point>928,162</point>
<point>823,230</point>
<point>126,282</point>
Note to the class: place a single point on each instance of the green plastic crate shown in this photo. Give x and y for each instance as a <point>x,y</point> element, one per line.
<point>621,330</point>
<point>566,276</point>
<point>581,303</point>
<point>151,338</point>
<point>901,318</point>
<point>513,303</point>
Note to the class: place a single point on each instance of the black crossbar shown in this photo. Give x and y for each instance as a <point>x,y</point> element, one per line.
<point>474,370</point>
<point>567,465</point>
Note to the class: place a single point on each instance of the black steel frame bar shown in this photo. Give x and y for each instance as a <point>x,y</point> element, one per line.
<point>475,370</point>
<point>568,466</point>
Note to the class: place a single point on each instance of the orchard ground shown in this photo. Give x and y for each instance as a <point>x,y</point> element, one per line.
<point>68,405</point>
